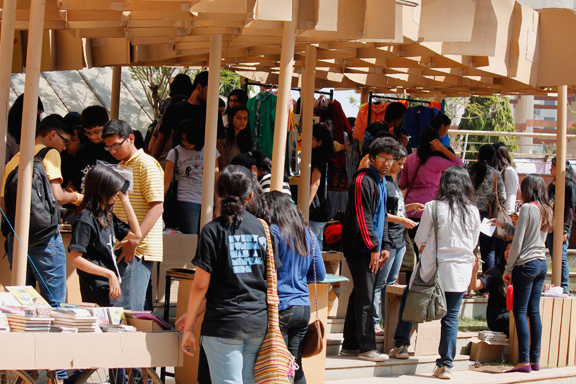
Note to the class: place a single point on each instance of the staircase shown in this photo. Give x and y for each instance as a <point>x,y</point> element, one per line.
<point>346,368</point>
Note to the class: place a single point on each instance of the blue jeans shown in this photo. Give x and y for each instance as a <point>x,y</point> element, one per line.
<point>448,331</point>
<point>135,279</point>
<point>293,324</point>
<point>387,276</point>
<point>527,280</point>
<point>231,361</point>
<point>47,267</point>
<point>317,228</point>
<point>487,247</point>
<point>189,217</point>
<point>565,267</point>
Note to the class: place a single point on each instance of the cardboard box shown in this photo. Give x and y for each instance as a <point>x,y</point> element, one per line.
<point>484,352</point>
<point>144,325</point>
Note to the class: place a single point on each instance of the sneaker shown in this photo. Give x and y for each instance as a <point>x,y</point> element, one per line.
<point>373,356</point>
<point>399,352</point>
<point>378,330</point>
<point>349,352</point>
<point>443,373</point>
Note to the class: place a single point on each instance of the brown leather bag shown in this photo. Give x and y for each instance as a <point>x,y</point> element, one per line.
<point>313,341</point>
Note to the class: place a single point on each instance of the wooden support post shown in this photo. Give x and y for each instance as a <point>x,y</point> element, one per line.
<point>364,95</point>
<point>115,97</point>
<point>23,198</point>
<point>284,85</point>
<point>6,49</point>
<point>560,184</point>
<point>307,123</point>
<point>211,130</point>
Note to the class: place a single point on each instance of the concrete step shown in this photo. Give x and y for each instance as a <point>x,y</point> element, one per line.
<point>345,368</point>
<point>474,376</point>
<point>334,343</point>
<point>335,325</point>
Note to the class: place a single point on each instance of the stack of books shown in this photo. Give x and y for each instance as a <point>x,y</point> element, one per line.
<point>492,337</point>
<point>4,325</point>
<point>28,322</point>
<point>75,320</point>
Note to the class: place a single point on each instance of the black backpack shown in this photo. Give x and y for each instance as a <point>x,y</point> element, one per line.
<point>44,210</point>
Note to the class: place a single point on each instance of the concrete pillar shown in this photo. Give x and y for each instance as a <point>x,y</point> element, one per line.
<point>284,84</point>
<point>115,97</point>
<point>211,130</point>
<point>560,184</point>
<point>307,123</point>
<point>23,198</point>
<point>6,50</point>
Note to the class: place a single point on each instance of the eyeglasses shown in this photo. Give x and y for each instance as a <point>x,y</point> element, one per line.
<point>114,146</point>
<point>382,159</point>
<point>65,140</point>
<point>93,133</point>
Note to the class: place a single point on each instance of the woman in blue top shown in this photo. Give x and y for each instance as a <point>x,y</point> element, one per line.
<point>295,246</point>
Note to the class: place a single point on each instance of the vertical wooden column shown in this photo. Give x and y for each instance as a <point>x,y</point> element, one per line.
<point>364,95</point>
<point>6,50</point>
<point>560,184</point>
<point>115,97</point>
<point>284,84</point>
<point>23,198</point>
<point>307,123</point>
<point>211,130</point>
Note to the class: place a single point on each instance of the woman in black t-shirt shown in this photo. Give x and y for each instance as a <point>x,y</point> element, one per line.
<point>91,248</point>
<point>230,284</point>
<point>497,315</point>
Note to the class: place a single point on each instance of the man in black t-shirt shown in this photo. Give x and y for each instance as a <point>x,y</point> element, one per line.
<point>93,120</point>
<point>194,108</point>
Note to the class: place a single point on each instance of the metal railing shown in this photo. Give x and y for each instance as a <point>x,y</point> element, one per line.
<point>537,147</point>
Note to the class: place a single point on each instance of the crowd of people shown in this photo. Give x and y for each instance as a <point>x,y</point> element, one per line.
<point>424,206</point>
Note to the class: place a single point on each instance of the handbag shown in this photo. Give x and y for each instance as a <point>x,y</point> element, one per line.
<point>497,212</point>
<point>426,301</point>
<point>274,363</point>
<point>313,341</point>
<point>171,214</point>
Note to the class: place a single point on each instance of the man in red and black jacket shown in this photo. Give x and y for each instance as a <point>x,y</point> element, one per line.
<point>366,248</point>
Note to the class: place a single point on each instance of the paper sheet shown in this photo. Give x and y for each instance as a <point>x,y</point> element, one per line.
<point>486,228</point>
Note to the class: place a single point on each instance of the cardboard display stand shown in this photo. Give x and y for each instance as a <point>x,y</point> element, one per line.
<point>558,346</point>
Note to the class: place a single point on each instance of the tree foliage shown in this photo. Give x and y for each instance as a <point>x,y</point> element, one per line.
<point>489,114</point>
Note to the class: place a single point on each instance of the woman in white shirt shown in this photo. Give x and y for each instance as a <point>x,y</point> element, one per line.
<point>458,230</point>
<point>503,164</point>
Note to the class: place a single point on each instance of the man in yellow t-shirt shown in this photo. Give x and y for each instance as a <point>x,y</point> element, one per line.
<point>147,199</point>
<point>49,257</point>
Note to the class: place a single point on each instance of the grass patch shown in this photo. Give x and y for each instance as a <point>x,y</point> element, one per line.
<point>468,324</point>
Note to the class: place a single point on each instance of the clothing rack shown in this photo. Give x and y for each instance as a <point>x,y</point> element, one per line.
<point>376,96</point>
<point>248,82</point>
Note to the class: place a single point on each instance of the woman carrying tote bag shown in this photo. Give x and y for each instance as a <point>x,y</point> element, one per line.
<point>458,230</point>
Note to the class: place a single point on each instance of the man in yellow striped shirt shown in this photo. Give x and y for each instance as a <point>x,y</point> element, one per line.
<point>146,195</point>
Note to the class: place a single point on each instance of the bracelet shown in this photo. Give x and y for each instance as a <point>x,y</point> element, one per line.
<point>77,198</point>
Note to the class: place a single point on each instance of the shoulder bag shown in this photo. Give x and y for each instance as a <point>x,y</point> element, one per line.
<point>313,341</point>
<point>275,363</point>
<point>426,301</point>
<point>498,212</point>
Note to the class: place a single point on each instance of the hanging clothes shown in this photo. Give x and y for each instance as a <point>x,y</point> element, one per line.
<point>337,176</point>
<point>262,117</point>
<point>378,112</point>
<point>416,119</point>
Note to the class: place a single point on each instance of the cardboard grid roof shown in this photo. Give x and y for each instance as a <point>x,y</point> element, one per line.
<point>455,48</point>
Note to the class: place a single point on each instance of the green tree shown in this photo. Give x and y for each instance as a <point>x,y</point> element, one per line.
<point>155,82</point>
<point>491,113</point>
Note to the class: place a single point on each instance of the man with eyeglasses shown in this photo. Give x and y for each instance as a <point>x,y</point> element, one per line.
<point>366,248</point>
<point>93,119</point>
<point>147,198</point>
<point>49,256</point>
